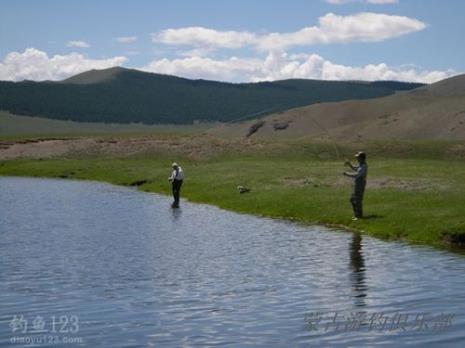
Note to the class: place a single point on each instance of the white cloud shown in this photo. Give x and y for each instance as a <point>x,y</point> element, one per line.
<point>331,28</point>
<point>34,64</point>
<point>126,39</point>
<point>231,69</point>
<point>361,27</point>
<point>196,52</point>
<point>200,36</point>
<point>78,44</point>
<point>276,66</point>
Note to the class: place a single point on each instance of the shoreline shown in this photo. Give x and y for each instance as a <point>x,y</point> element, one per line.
<point>449,247</point>
<point>415,193</point>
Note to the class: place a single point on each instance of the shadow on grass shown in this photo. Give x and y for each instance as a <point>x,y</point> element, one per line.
<point>373,216</point>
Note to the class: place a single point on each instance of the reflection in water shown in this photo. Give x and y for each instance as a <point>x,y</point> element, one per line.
<point>357,264</point>
<point>175,214</point>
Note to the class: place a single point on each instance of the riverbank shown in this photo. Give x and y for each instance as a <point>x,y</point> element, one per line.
<point>416,192</point>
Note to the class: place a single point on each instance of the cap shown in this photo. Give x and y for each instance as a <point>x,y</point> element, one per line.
<point>174,164</point>
<point>360,154</point>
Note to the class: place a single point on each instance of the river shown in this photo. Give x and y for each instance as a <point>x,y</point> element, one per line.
<point>92,264</point>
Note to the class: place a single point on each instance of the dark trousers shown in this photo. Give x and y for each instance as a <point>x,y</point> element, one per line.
<point>357,200</point>
<point>176,186</point>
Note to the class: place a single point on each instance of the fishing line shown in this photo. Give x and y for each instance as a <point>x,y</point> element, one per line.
<point>337,149</point>
<point>258,113</point>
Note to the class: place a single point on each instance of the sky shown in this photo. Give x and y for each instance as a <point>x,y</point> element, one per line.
<point>235,40</point>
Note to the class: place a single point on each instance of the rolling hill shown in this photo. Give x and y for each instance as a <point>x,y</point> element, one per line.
<point>433,112</point>
<point>119,95</point>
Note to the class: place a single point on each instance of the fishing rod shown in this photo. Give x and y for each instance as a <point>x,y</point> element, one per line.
<point>258,113</point>
<point>337,149</point>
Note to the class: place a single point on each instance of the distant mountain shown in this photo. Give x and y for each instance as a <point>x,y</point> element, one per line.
<point>447,87</point>
<point>95,76</point>
<point>120,95</point>
<point>433,112</point>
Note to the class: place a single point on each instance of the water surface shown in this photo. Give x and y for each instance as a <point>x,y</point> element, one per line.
<point>136,273</point>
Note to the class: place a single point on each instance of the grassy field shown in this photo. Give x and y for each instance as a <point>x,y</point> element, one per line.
<point>416,192</point>
<point>15,127</point>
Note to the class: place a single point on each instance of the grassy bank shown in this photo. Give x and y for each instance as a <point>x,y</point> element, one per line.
<point>418,198</point>
<point>25,127</point>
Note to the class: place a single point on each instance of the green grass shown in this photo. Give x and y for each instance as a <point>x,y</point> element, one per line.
<point>14,127</point>
<point>299,186</point>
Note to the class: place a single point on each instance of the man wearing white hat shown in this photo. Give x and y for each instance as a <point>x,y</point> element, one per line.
<point>359,175</point>
<point>176,178</point>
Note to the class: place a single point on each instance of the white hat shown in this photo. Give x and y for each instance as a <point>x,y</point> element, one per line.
<point>174,164</point>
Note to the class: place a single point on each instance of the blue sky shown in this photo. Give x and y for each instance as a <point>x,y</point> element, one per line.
<point>416,40</point>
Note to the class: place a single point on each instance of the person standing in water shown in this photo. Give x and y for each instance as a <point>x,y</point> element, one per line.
<point>176,178</point>
<point>359,175</point>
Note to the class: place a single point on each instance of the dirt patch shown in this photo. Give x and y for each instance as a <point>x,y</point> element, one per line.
<point>281,125</point>
<point>296,182</point>
<point>407,184</point>
<point>254,128</point>
<point>192,147</point>
<point>397,183</point>
<point>40,148</point>
<point>456,151</point>
<point>375,183</point>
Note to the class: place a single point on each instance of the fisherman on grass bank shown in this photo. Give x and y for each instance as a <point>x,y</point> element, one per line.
<point>176,178</point>
<point>359,175</point>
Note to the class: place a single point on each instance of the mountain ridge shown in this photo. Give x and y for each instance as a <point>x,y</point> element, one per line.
<point>122,95</point>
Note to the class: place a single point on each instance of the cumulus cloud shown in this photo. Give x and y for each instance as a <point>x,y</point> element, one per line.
<point>331,28</point>
<point>34,64</point>
<point>231,69</point>
<point>361,27</point>
<point>374,2</point>
<point>200,36</point>
<point>276,66</point>
<point>126,39</point>
<point>197,61</point>
<point>197,52</point>
<point>78,44</point>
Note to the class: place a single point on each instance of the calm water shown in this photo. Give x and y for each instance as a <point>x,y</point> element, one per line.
<point>100,265</point>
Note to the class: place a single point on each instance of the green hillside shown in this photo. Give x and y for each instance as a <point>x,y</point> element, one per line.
<point>119,95</point>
